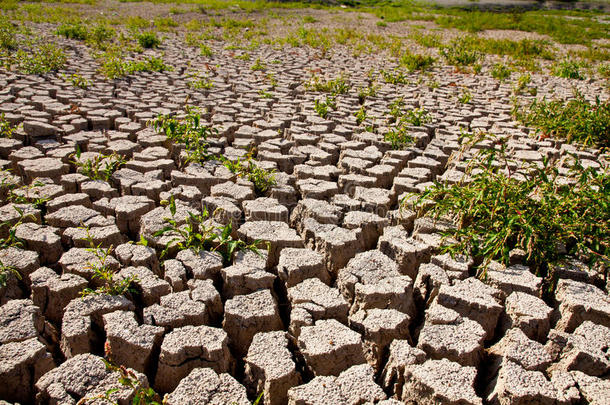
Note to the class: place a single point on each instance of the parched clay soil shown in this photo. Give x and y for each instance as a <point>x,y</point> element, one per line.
<point>352,304</point>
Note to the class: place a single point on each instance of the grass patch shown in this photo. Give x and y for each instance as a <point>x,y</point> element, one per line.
<point>569,69</point>
<point>576,120</point>
<point>498,210</point>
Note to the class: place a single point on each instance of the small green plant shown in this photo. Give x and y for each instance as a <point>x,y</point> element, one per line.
<point>101,167</point>
<point>416,116</point>
<point>247,168</point>
<point>576,120</point>
<point>11,241</point>
<point>148,40</point>
<point>381,24</point>
<point>604,70</point>
<point>189,131</point>
<point>497,210</point>
<point>360,115</point>
<point>8,31</point>
<point>568,69</point>
<point>322,107</point>
<point>265,94</point>
<point>399,137</point>
<point>102,271</point>
<point>113,65</point>
<point>309,19</point>
<point>413,62</point>
<point>500,72</point>
<point>259,65</point>
<point>73,31</point>
<point>460,52</point>
<point>369,91</point>
<point>205,50</point>
<point>196,233</point>
<point>465,96</point>
<point>100,36</point>
<point>200,83</point>
<point>338,85</point>
<point>6,128</point>
<point>77,80</point>
<point>523,84</point>
<point>395,77</point>
<point>28,194</point>
<point>40,58</point>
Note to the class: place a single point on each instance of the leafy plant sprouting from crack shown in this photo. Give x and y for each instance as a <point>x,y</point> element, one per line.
<point>101,270</point>
<point>247,168</point>
<point>199,234</point>
<point>188,131</point>
<point>535,209</point>
<point>28,194</point>
<point>100,167</point>
<point>10,241</point>
<point>322,107</point>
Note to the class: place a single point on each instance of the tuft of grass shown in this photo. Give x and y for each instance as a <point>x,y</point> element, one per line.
<point>148,40</point>
<point>497,210</point>
<point>77,80</point>
<point>259,65</point>
<point>73,31</point>
<point>102,167</point>
<point>41,58</point>
<point>501,72</point>
<point>460,52</point>
<point>101,270</point>
<point>465,96</point>
<point>113,65</point>
<point>6,128</point>
<point>413,62</point>
<point>576,120</point>
<point>263,180</point>
<point>338,85</point>
<point>569,69</point>
<point>322,107</point>
<point>8,31</point>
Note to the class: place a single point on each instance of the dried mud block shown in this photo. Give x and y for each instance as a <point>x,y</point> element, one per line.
<point>296,265</point>
<point>379,327</point>
<point>199,305</point>
<point>68,200</point>
<point>518,348</point>
<point>235,192</point>
<point>23,261</point>
<point>317,189</point>
<point>204,386</point>
<point>131,344</point>
<point>446,334</point>
<point>579,302</point>
<point>441,381</point>
<point>371,224</point>
<point>402,357</point>
<point>175,274</point>
<point>457,268</point>
<point>528,313</point>
<point>313,300</point>
<point>330,347</point>
<point>21,365</point>
<point>356,385</point>
<point>584,350</point>
<point>43,167</point>
<point>20,320</point>
<point>128,211</point>
<point>265,209</point>
<point>201,265</point>
<point>320,210</point>
<point>52,292</point>
<point>473,299</point>
<point>515,385</point>
<point>149,286</point>
<point>516,278</point>
<point>42,239</point>
<point>430,278</point>
<point>270,367</point>
<point>409,253</point>
<point>278,234</point>
<point>372,280</point>
<point>81,314</point>
<point>338,245</point>
<point>84,376</point>
<point>130,254</point>
<point>189,348</point>
<point>246,315</point>
<point>594,390</point>
<point>241,279</point>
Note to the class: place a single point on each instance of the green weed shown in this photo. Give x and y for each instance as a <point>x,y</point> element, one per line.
<point>460,52</point>
<point>576,120</point>
<point>247,168</point>
<point>6,128</point>
<point>77,80</point>
<point>101,167</point>
<point>498,210</point>
<point>568,69</point>
<point>338,85</point>
<point>322,107</point>
<point>413,62</point>
<point>73,31</point>
<point>148,40</point>
<point>259,65</point>
<point>101,270</point>
<point>465,96</point>
<point>500,71</point>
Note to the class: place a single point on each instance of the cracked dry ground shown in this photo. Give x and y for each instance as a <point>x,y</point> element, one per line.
<point>351,304</point>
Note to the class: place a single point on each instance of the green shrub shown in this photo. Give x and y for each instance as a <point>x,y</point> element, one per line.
<point>148,40</point>
<point>497,210</point>
<point>322,107</point>
<point>500,71</point>
<point>413,62</point>
<point>42,58</point>
<point>338,85</point>
<point>73,31</point>
<point>100,35</point>
<point>461,52</point>
<point>6,128</point>
<point>569,69</point>
<point>8,31</point>
<point>576,120</point>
